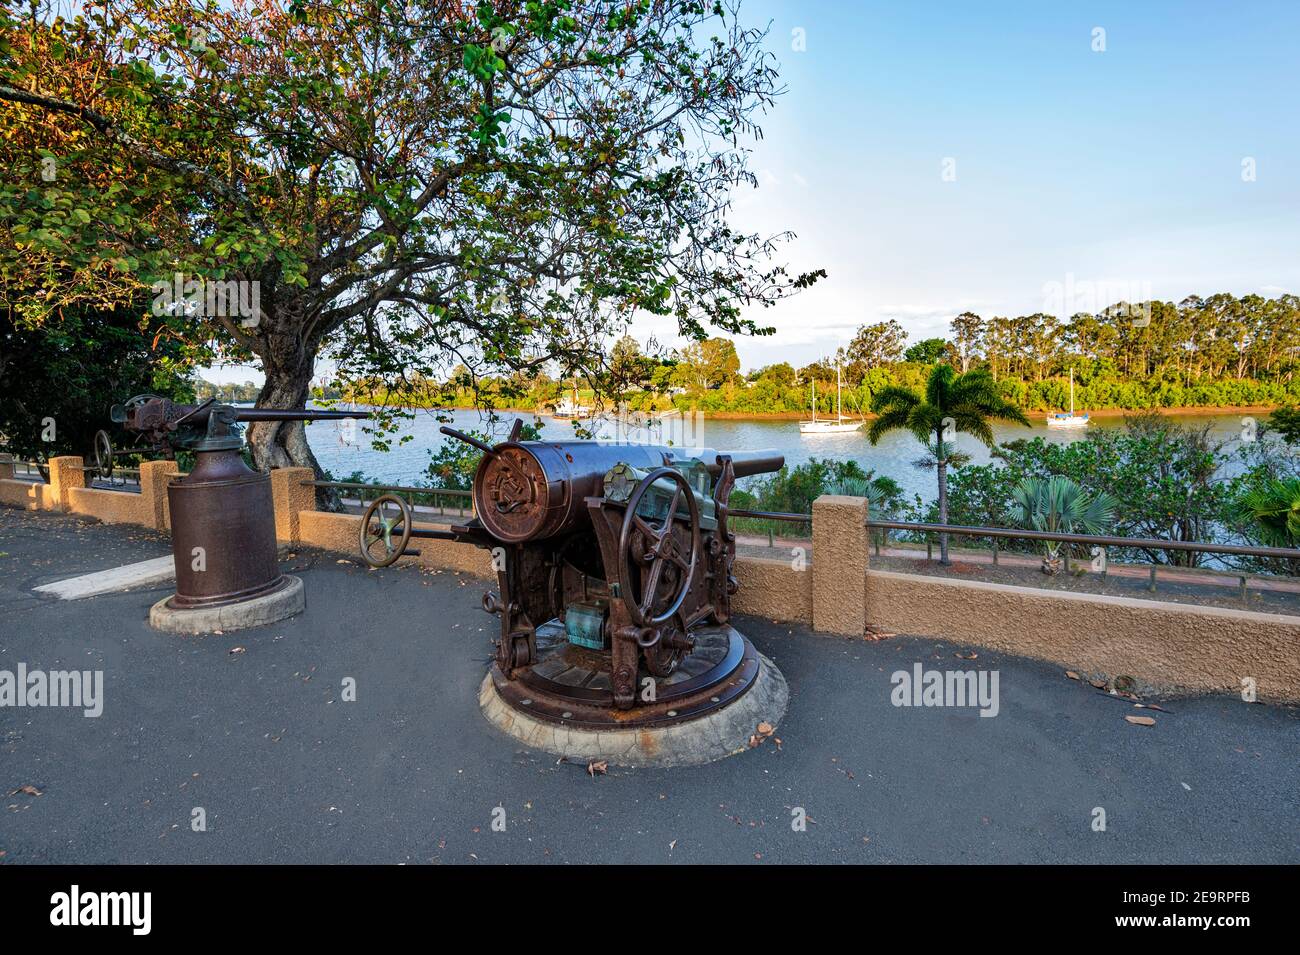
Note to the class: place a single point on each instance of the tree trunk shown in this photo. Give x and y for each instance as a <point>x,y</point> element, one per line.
<point>288,364</point>
<point>943,505</point>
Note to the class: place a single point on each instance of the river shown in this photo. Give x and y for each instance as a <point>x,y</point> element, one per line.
<point>406,463</point>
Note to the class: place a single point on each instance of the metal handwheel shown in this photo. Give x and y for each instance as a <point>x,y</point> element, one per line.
<point>662,549</point>
<point>104,454</point>
<point>386,522</point>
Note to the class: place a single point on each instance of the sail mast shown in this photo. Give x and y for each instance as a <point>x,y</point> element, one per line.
<point>839,408</point>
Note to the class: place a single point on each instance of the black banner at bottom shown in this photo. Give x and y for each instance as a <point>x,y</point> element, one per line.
<point>331,903</point>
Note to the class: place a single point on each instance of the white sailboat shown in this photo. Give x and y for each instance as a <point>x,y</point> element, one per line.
<point>840,423</point>
<point>1071,420</point>
<point>570,408</point>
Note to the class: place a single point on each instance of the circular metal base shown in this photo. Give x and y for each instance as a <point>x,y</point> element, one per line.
<point>717,734</point>
<point>570,685</point>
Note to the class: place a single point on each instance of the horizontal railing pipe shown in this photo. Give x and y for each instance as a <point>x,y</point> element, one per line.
<point>773,516</point>
<point>1139,543</point>
<point>351,485</point>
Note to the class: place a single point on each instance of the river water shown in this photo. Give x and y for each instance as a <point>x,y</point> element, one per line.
<point>406,463</point>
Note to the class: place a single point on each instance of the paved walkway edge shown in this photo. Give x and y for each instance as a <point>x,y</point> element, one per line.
<point>155,571</point>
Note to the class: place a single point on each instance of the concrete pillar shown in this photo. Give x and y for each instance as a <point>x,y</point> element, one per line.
<point>290,497</point>
<point>6,467</point>
<point>65,474</point>
<point>154,477</point>
<point>841,548</point>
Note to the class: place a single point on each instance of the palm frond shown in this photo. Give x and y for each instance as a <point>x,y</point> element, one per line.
<point>889,420</point>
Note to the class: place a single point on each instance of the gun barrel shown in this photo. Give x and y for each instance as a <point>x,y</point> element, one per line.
<point>745,463</point>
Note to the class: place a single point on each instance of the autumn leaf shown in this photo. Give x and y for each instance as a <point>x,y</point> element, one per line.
<point>1141,720</point>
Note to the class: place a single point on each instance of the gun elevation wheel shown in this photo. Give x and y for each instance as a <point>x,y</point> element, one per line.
<point>104,454</point>
<point>385,530</point>
<point>642,544</point>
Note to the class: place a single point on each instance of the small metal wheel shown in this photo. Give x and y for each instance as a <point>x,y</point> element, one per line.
<point>385,530</point>
<point>661,660</point>
<point>104,454</point>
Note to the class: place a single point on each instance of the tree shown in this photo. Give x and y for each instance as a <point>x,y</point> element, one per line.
<point>952,402</point>
<point>58,382</point>
<point>402,187</point>
<point>1060,506</point>
<point>1286,422</point>
<point>927,351</point>
<point>629,367</point>
<point>781,374</point>
<point>967,337</point>
<point>711,363</point>
<point>1169,479</point>
<point>878,344</point>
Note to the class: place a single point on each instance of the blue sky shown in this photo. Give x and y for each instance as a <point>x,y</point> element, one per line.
<point>1121,168</point>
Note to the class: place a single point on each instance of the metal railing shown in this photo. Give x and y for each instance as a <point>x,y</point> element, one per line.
<point>1097,543</point>
<point>1094,540</point>
<point>411,493</point>
<point>40,469</point>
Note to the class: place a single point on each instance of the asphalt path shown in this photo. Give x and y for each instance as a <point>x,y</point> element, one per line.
<point>252,728</point>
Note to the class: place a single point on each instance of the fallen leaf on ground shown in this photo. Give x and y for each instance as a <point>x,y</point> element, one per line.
<point>236,649</point>
<point>597,766</point>
<point>766,729</point>
<point>962,656</point>
<point>1071,674</point>
<point>28,790</point>
<point>1141,720</point>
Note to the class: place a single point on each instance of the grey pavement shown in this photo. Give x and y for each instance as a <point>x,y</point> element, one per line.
<point>251,727</point>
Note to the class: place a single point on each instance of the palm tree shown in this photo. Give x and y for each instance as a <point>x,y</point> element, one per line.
<point>1274,510</point>
<point>951,403</point>
<point>1059,505</point>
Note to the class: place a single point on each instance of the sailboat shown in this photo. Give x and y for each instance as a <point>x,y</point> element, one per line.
<point>570,408</point>
<point>1071,420</point>
<point>836,425</point>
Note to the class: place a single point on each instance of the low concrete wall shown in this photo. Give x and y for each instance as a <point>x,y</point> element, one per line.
<point>291,496</point>
<point>776,589</point>
<point>111,507</point>
<point>339,532</point>
<point>1173,647</point>
<point>25,494</point>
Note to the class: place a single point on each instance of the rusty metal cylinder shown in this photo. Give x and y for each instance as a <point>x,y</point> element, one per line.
<point>532,490</point>
<point>223,532</point>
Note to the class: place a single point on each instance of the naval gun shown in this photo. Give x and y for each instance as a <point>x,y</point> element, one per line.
<point>614,570</point>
